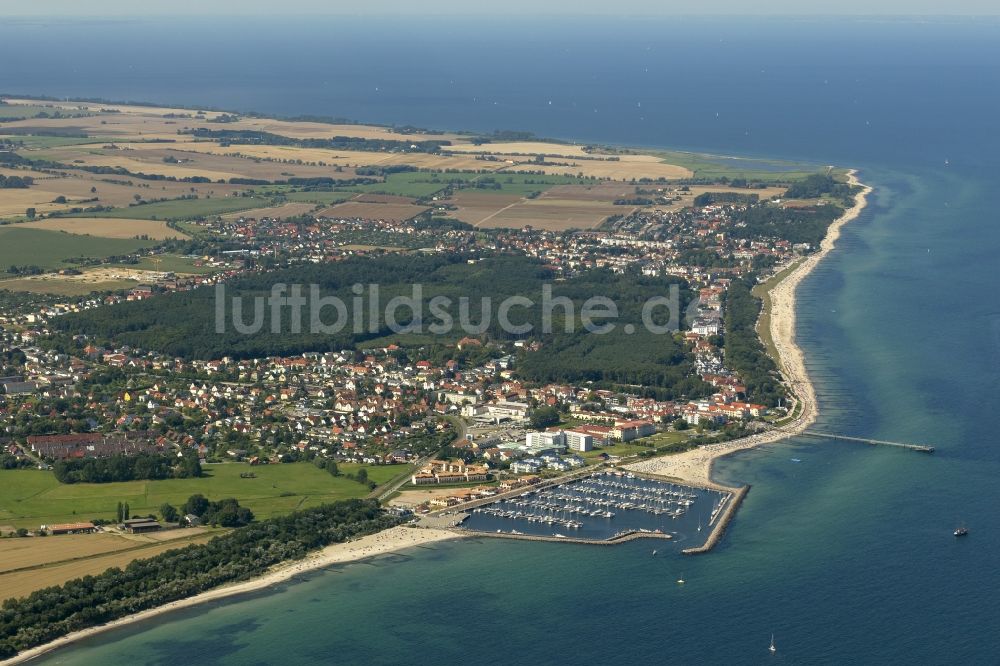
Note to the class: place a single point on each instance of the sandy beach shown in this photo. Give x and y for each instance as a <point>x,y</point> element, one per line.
<point>695,466</point>
<point>388,541</point>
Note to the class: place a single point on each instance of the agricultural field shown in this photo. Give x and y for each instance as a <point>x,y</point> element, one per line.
<point>21,111</point>
<point>195,159</point>
<point>183,209</point>
<point>372,211</point>
<point>280,212</point>
<point>559,207</point>
<point>29,498</point>
<point>628,168</point>
<point>324,198</point>
<point>106,227</point>
<point>57,285</point>
<point>82,189</point>
<point>170,263</point>
<point>49,249</point>
<point>32,563</point>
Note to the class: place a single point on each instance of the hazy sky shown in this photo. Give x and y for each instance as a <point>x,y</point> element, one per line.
<point>508,7</point>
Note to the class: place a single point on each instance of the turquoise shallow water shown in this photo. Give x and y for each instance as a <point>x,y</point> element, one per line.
<point>847,556</point>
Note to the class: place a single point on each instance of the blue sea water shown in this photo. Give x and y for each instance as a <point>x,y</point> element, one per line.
<point>847,556</point>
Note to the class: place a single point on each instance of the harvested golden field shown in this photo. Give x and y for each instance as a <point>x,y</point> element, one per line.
<point>106,227</point>
<point>280,212</point>
<point>113,190</point>
<point>131,119</point>
<point>597,192</point>
<point>348,158</point>
<point>629,167</point>
<point>310,130</point>
<point>32,563</point>
<point>521,148</point>
<point>560,207</point>
<point>350,210</point>
<point>475,208</point>
<point>14,202</point>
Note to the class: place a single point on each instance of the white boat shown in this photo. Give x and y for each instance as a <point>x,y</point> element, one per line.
<point>773,649</point>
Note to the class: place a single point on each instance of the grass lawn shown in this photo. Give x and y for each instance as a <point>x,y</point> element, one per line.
<point>635,447</point>
<point>47,249</point>
<point>183,209</point>
<point>29,498</point>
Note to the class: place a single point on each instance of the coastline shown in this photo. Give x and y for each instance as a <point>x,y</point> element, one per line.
<point>696,466</point>
<point>693,467</point>
<point>388,541</point>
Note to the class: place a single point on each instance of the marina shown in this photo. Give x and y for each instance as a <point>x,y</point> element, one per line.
<point>606,507</point>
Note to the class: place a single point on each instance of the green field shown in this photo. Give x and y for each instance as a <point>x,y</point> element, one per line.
<point>47,249</point>
<point>635,447</point>
<point>715,166</point>
<point>29,498</point>
<point>34,141</point>
<point>170,263</point>
<point>325,198</point>
<point>64,287</point>
<point>183,209</point>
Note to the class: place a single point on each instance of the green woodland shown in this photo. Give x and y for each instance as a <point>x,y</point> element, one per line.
<point>184,324</point>
<point>176,574</point>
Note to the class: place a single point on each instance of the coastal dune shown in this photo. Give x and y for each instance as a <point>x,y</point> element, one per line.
<point>695,466</point>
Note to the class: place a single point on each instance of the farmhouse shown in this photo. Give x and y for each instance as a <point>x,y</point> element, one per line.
<point>69,528</point>
<point>140,525</point>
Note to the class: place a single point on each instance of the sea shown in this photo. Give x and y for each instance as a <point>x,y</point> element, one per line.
<point>843,552</point>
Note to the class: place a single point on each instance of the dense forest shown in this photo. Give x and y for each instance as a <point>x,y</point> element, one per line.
<point>176,574</point>
<point>795,225</point>
<point>709,198</point>
<point>744,351</point>
<point>183,324</point>
<point>139,467</point>
<point>818,185</point>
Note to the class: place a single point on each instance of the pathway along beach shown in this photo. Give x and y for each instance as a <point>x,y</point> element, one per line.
<point>695,466</point>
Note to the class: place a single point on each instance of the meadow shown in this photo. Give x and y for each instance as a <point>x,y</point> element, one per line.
<point>48,249</point>
<point>29,498</point>
<point>183,209</point>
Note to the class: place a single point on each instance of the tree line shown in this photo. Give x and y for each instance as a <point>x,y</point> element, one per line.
<point>745,353</point>
<point>139,467</point>
<point>49,613</point>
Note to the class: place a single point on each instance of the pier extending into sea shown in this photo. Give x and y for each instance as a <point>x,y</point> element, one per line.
<point>920,448</point>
